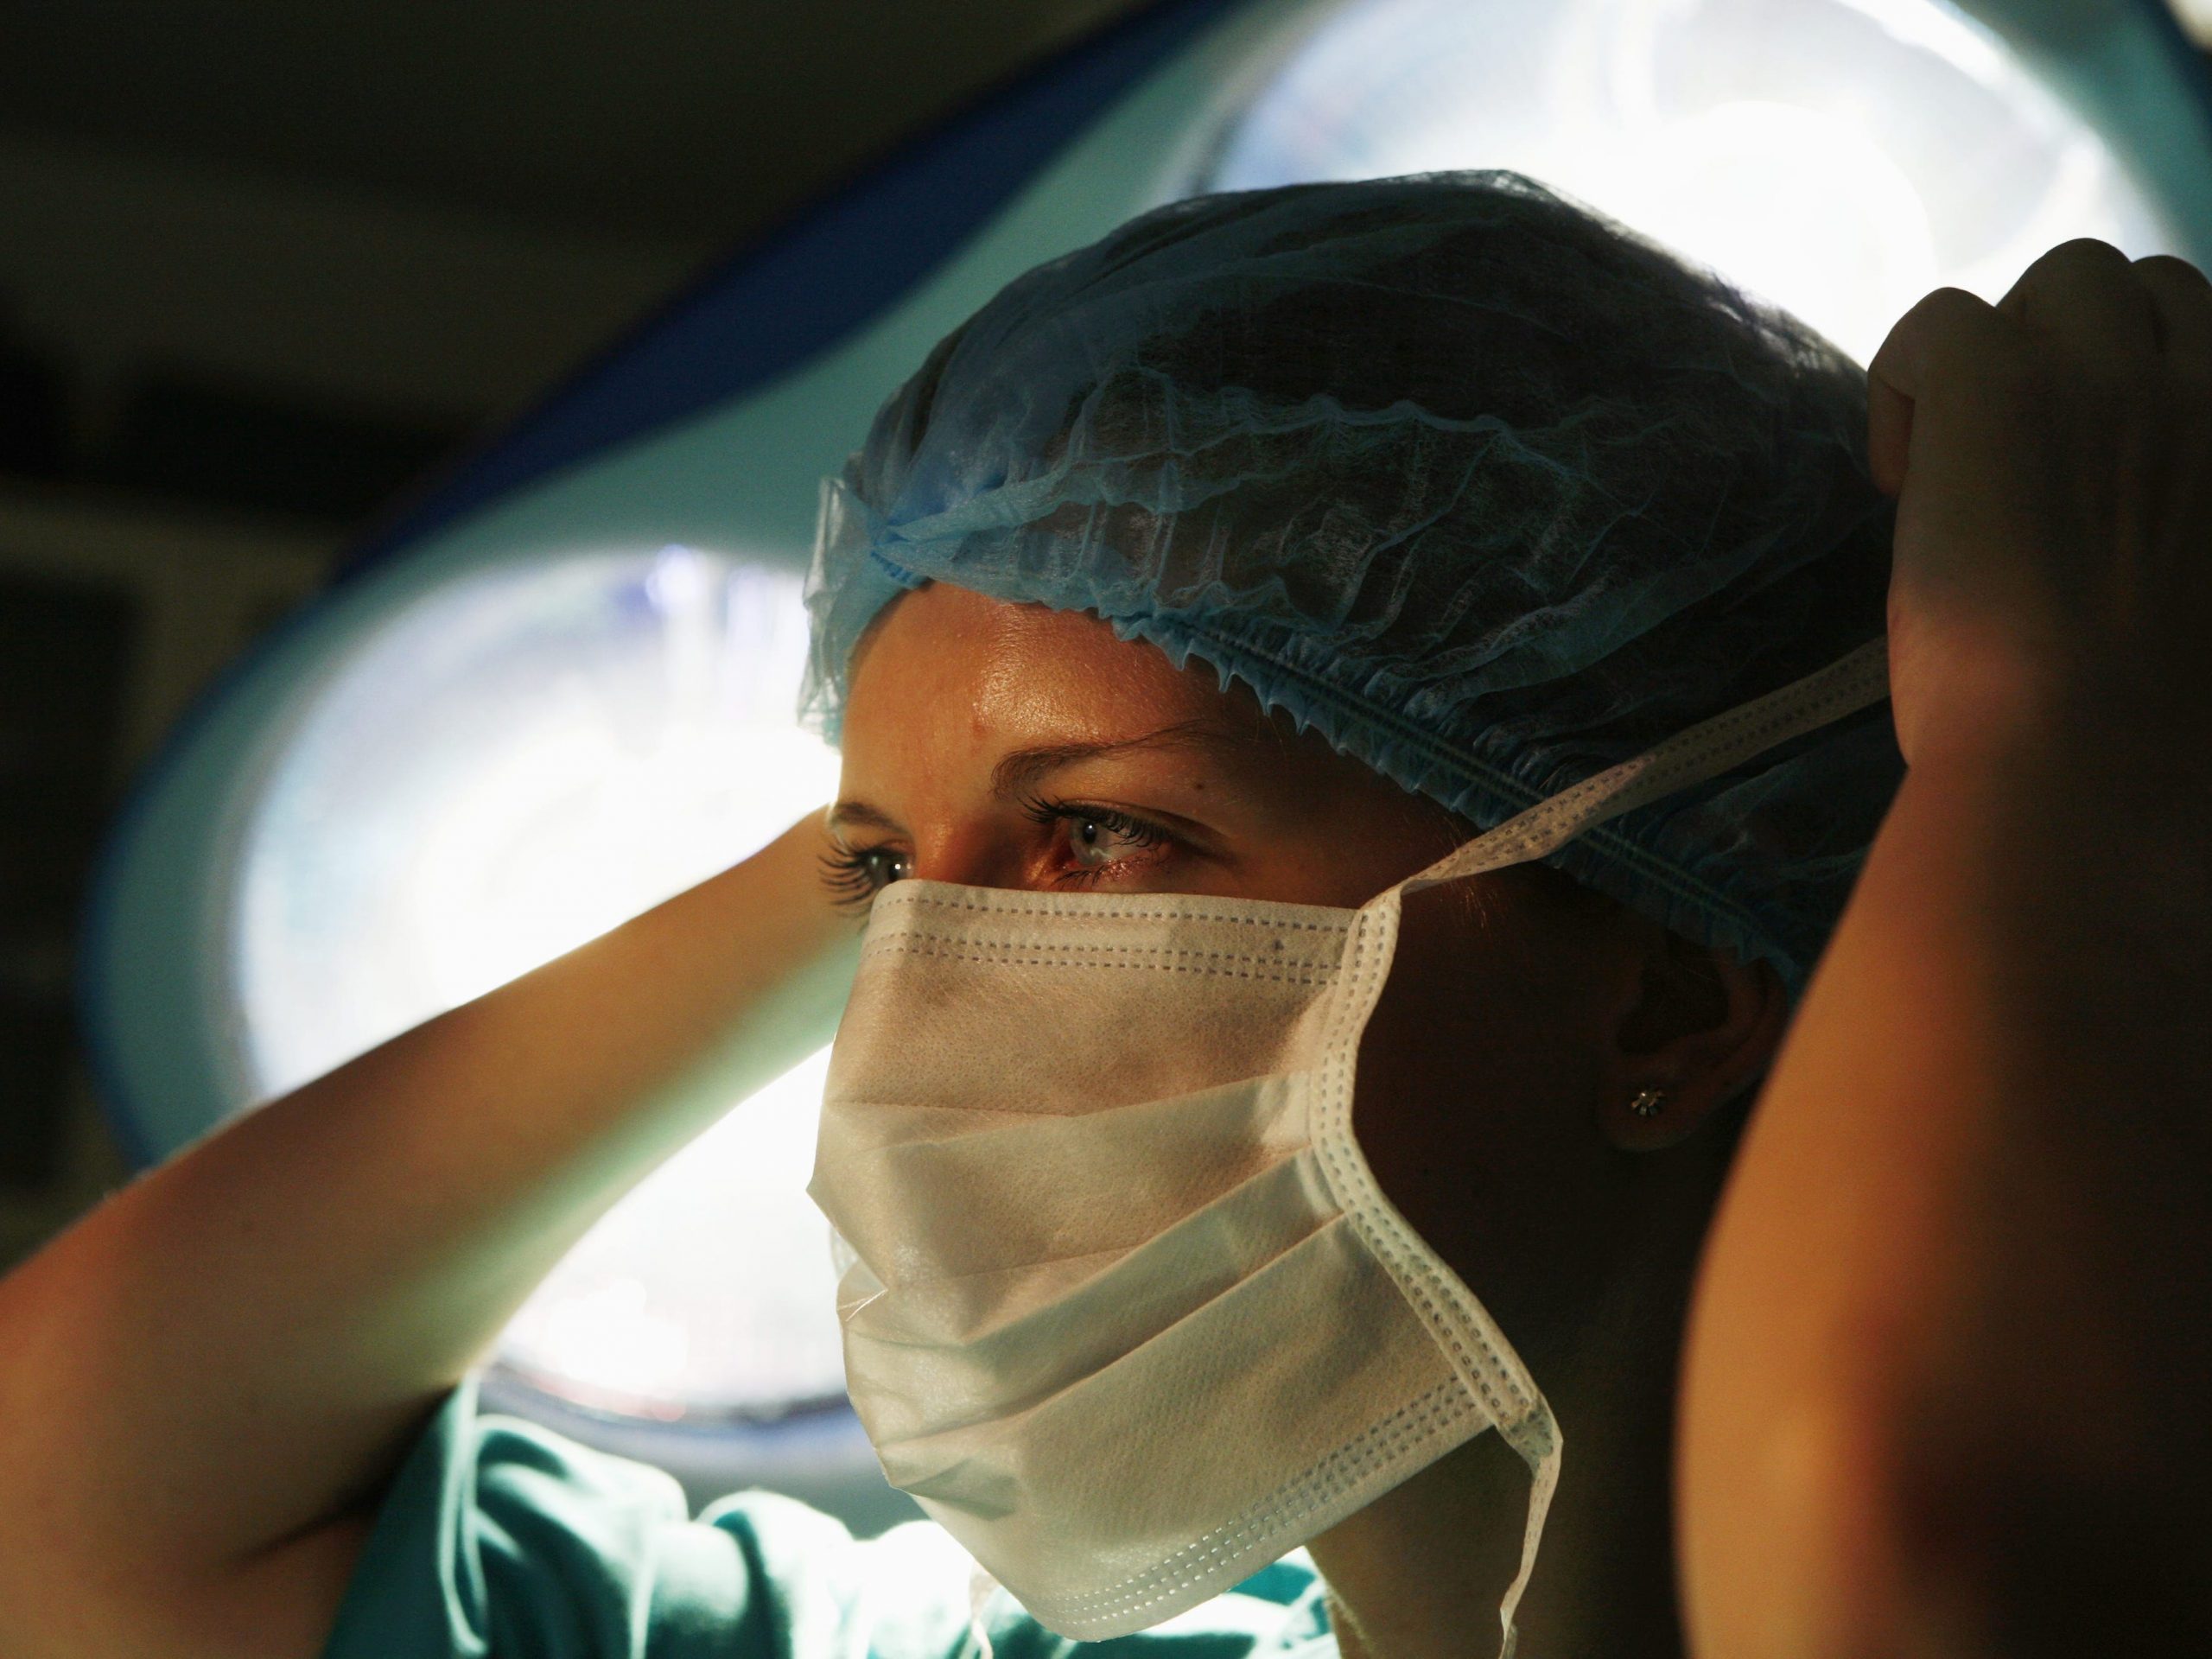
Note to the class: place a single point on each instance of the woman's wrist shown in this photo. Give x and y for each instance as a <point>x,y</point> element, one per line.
<point>2074,828</point>
<point>2137,733</point>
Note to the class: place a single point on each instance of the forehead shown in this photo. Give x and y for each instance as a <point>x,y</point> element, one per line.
<point>945,661</point>
<point>952,688</point>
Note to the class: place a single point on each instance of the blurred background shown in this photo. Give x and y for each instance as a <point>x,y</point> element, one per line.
<point>264,268</point>
<point>277,278</point>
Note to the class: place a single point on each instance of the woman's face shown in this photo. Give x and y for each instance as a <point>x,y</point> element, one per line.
<point>1010,746</point>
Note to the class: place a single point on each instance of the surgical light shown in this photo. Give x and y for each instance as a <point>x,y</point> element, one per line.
<point>519,762</point>
<point>1841,156</point>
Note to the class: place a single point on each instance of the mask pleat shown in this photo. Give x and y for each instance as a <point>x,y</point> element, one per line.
<point>1054,1186</point>
<point>1319,1402</point>
<point>997,1341</point>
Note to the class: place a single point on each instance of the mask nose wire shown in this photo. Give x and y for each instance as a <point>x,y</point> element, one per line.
<point>1857,680</point>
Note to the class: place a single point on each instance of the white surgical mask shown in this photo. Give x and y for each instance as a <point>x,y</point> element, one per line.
<point>1124,1308</point>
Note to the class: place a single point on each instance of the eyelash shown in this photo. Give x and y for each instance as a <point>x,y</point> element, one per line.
<point>851,873</point>
<point>1142,831</point>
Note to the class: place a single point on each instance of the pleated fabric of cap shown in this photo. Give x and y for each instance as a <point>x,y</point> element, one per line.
<point>1487,489</point>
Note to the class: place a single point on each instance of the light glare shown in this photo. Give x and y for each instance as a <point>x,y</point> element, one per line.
<point>1840,157</point>
<point>516,765</point>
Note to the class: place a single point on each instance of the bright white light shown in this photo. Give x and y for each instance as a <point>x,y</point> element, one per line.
<point>522,762</point>
<point>2195,17</point>
<point>1843,234</point>
<point>709,1285</point>
<point>1842,157</point>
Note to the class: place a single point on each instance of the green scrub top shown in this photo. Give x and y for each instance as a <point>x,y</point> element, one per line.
<point>502,1540</point>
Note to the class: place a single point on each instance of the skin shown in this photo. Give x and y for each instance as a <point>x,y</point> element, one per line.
<point>1009,745</point>
<point>1944,1385</point>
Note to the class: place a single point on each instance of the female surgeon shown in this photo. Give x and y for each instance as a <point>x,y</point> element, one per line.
<point>1746,1196</point>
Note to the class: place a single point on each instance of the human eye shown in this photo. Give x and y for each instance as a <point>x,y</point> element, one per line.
<point>854,875</point>
<point>1093,841</point>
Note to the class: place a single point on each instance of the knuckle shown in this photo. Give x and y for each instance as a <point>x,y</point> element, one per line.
<point>1956,304</point>
<point>2083,253</point>
<point>2170,267</point>
<point>2183,296</point>
<point>2083,270</point>
<point>1939,321</point>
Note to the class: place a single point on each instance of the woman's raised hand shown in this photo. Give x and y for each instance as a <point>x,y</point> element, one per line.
<point>1941,1394</point>
<point>2051,456</point>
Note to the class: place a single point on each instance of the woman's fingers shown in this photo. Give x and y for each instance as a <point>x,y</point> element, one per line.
<point>2084,299</point>
<point>2123,324</point>
<point>1945,332</point>
<point>2181,296</point>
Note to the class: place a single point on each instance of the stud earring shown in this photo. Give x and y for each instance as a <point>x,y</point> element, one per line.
<point>1649,1103</point>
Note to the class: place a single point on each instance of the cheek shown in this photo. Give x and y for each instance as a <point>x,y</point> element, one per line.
<point>1476,1109</point>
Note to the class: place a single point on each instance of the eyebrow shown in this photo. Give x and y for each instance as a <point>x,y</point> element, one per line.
<point>860,813</point>
<point>1022,771</point>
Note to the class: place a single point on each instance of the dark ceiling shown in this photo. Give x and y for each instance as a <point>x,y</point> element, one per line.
<point>649,120</point>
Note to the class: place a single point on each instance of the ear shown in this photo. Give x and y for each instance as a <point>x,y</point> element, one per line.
<point>1700,1026</point>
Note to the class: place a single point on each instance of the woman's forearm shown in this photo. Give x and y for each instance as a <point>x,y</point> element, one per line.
<point>1941,1393</point>
<point>238,1346</point>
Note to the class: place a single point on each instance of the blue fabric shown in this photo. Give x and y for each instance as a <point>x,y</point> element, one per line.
<point>1486,489</point>
<point>501,1540</point>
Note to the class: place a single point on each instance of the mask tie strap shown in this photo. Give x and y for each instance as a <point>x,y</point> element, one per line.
<point>981,1586</point>
<point>1855,680</point>
<point>1544,1472</point>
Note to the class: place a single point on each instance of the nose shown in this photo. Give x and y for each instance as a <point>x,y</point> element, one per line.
<point>971,853</point>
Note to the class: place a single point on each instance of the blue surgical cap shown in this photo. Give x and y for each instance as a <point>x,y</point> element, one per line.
<point>1488,490</point>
